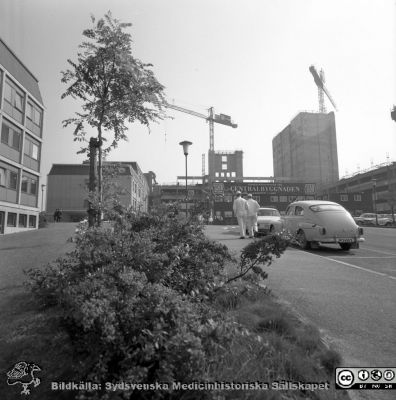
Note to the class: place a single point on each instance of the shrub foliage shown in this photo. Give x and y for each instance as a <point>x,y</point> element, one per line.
<point>140,300</point>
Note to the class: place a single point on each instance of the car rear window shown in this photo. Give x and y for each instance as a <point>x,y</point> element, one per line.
<point>327,207</point>
<point>268,213</point>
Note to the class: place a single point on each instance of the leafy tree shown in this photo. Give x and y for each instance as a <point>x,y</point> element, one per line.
<point>112,190</point>
<point>114,87</point>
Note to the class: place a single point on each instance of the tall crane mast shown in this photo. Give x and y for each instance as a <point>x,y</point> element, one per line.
<point>211,118</point>
<point>320,83</point>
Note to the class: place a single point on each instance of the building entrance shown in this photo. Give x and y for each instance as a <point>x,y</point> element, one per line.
<point>2,219</point>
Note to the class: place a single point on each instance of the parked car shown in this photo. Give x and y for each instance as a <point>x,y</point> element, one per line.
<point>366,219</point>
<point>268,221</point>
<point>385,219</point>
<point>322,222</point>
<point>373,219</point>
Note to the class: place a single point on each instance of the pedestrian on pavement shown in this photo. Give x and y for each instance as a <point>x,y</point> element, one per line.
<point>246,226</point>
<point>251,217</point>
<point>59,215</point>
<point>240,211</point>
<point>56,215</point>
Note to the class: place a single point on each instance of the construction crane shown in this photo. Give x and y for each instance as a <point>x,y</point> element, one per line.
<point>320,83</point>
<point>212,118</point>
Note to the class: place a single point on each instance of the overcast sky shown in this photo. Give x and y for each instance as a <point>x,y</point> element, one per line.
<point>246,58</point>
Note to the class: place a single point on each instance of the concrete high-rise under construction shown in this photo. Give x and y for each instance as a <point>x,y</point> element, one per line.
<point>306,150</point>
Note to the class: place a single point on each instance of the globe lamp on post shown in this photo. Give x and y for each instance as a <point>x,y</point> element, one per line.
<point>186,144</point>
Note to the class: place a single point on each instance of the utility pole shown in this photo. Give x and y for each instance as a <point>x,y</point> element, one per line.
<point>374,182</point>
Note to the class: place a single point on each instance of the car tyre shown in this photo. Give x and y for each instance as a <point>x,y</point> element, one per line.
<point>345,246</point>
<point>302,240</point>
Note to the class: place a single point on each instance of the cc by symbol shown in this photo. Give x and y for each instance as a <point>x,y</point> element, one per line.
<point>363,375</point>
<point>345,378</point>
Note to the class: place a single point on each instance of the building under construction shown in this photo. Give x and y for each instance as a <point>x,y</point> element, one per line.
<point>225,166</point>
<point>306,150</point>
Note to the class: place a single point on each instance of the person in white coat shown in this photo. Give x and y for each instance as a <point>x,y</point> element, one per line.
<point>251,217</point>
<point>240,211</point>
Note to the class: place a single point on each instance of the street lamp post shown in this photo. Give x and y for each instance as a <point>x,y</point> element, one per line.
<point>374,182</point>
<point>42,196</point>
<point>186,145</point>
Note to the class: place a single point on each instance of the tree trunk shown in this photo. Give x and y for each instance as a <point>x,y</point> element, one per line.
<point>100,197</point>
<point>93,144</point>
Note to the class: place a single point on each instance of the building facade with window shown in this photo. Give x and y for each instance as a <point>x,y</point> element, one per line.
<point>226,166</point>
<point>196,196</point>
<point>271,194</point>
<point>21,121</point>
<point>306,150</point>
<point>67,188</point>
<point>376,186</point>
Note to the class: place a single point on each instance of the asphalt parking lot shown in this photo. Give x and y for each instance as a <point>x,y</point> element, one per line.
<point>349,295</point>
<point>377,254</point>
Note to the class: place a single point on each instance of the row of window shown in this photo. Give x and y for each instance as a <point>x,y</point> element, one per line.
<point>9,179</point>
<point>29,185</point>
<point>12,137</point>
<point>345,197</point>
<point>22,220</point>
<point>14,100</point>
<point>225,174</point>
<point>227,214</point>
<point>136,189</point>
<point>273,199</point>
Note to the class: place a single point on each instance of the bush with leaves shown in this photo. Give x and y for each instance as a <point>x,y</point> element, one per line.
<point>139,300</point>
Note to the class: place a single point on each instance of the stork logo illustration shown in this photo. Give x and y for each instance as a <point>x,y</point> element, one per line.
<point>23,374</point>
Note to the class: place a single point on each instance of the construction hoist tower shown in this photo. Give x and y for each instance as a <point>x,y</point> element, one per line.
<point>322,90</point>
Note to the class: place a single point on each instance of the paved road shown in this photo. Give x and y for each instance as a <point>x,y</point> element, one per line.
<point>32,249</point>
<point>350,296</point>
<point>19,251</point>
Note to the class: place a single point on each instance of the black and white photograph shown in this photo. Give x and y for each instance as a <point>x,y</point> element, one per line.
<point>198,199</point>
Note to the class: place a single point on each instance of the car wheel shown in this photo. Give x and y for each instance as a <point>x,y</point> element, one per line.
<point>345,246</point>
<point>388,224</point>
<point>302,240</point>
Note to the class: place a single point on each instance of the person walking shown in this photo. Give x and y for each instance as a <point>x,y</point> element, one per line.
<point>56,215</point>
<point>251,217</point>
<point>240,211</point>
